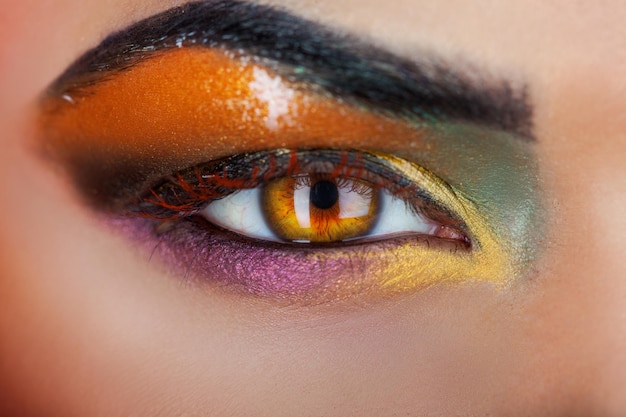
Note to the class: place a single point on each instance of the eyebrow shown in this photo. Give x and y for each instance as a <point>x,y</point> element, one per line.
<point>303,51</point>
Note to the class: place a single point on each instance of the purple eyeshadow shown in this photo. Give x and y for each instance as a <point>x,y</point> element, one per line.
<point>204,254</point>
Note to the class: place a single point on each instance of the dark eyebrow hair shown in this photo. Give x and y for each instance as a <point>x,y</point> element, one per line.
<point>307,52</point>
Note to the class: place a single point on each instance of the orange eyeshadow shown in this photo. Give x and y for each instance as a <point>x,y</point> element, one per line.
<point>196,103</point>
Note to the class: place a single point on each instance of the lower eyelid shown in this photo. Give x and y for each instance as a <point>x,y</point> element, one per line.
<point>297,274</point>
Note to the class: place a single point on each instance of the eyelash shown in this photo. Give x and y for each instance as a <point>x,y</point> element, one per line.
<point>185,193</point>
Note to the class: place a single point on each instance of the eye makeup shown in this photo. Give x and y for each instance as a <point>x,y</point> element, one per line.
<point>168,100</point>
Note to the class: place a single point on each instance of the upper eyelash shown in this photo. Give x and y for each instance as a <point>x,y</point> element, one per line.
<point>187,192</point>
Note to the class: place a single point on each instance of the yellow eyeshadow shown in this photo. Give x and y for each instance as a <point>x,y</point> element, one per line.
<point>415,265</point>
<point>407,268</point>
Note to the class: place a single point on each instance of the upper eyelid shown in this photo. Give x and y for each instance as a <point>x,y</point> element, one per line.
<point>317,57</point>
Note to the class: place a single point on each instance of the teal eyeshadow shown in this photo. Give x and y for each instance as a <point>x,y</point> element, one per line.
<point>498,172</point>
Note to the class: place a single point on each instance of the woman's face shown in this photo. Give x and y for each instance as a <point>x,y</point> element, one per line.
<point>512,302</point>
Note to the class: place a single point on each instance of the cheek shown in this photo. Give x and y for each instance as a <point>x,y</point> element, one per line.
<point>82,335</point>
<point>98,330</point>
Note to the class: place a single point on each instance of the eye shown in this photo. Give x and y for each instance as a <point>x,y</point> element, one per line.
<point>309,197</point>
<point>317,209</point>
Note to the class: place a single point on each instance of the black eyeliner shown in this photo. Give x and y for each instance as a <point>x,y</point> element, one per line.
<point>309,53</point>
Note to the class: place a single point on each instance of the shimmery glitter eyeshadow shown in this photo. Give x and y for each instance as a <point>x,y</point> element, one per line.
<point>125,118</point>
<point>187,107</point>
<point>207,256</point>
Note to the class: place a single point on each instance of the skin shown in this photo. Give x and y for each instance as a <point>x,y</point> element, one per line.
<point>88,327</point>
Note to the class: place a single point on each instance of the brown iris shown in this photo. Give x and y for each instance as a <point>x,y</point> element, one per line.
<point>318,209</point>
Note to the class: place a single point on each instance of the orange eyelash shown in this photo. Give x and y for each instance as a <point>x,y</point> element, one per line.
<point>206,187</point>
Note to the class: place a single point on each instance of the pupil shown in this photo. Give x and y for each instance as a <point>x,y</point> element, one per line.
<point>324,194</point>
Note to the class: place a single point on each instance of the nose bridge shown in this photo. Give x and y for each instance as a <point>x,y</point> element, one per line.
<point>608,238</point>
<point>581,134</point>
<point>580,316</point>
